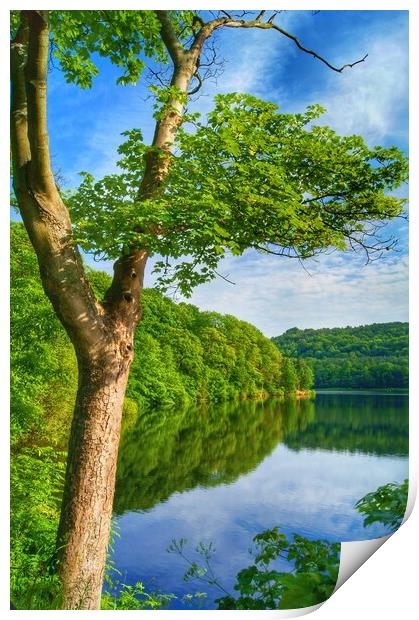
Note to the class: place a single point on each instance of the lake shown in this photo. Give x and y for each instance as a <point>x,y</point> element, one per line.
<point>224,473</point>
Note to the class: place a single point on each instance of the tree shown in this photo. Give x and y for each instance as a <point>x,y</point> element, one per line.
<point>305,375</point>
<point>289,375</point>
<point>308,190</point>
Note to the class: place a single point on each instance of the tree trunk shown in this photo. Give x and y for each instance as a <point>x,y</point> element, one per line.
<point>86,510</point>
<point>102,333</point>
<point>90,477</point>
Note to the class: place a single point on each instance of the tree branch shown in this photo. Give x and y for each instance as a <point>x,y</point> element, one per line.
<point>158,76</point>
<point>225,278</point>
<point>205,32</point>
<point>168,34</point>
<point>315,54</point>
<point>44,214</point>
<point>288,252</point>
<point>229,21</point>
<point>270,25</point>
<point>36,91</point>
<point>19,109</point>
<point>197,87</point>
<point>321,198</point>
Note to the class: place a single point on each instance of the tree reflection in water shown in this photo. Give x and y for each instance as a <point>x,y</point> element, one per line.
<point>177,450</point>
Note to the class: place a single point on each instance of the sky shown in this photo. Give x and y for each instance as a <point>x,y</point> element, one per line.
<point>370,99</point>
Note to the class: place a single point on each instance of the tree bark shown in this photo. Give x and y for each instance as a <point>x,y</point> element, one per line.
<point>86,512</point>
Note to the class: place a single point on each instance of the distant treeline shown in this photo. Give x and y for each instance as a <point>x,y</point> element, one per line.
<point>369,356</point>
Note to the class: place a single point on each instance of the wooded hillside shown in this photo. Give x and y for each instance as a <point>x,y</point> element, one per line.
<point>368,356</point>
<point>186,356</point>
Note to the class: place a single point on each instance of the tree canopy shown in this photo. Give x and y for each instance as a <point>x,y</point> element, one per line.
<point>248,176</point>
<point>80,38</point>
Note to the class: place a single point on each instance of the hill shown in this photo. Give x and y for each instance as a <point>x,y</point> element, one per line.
<point>368,356</point>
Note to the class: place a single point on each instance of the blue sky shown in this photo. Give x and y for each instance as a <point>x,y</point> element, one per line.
<point>370,99</point>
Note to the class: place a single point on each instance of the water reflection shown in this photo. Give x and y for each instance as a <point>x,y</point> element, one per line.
<point>170,451</point>
<point>368,423</point>
<point>223,474</point>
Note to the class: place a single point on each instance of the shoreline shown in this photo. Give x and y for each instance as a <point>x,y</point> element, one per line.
<point>340,390</point>
<point>298,394</point>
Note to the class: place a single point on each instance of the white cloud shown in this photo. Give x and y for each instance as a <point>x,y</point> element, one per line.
<point>369,98</point>
<point>276,294</point>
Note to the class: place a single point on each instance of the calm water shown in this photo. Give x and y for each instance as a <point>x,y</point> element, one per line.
<point>223,474</point>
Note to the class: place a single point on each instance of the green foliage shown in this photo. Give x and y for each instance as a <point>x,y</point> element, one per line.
<point>369,356</point>
<point>184,355</point>
<point>305,374</point>
<point>129,413</point>
<point>312,579</point>
<point>118,595</point>
<point>289,375</point>
<point>36,477</point>
<point>43,376</point>
<point>386,505</point>
<point>135,597</point>
<point>125,37</point>
<point>375,340</point>
<point>43,364</point>
<point>14,23</point>
<point>296,375</point>
<point>250,177</point>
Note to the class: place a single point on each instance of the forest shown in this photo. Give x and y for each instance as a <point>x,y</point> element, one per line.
<point>368,356</point>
